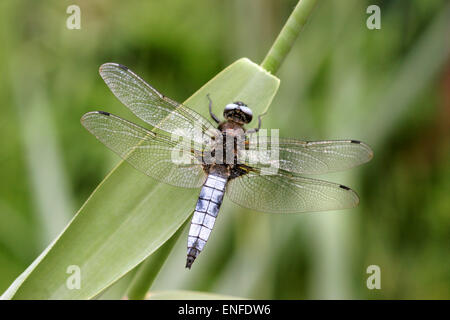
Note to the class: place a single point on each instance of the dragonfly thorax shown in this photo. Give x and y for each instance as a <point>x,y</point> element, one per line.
<point>238,112</point>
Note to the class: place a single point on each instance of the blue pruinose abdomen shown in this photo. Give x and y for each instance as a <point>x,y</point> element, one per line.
<point>206,211</point>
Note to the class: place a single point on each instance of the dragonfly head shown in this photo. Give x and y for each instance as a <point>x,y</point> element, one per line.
<point>238,112</point>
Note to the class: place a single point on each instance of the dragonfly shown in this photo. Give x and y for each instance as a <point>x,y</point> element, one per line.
<point>245,180</point>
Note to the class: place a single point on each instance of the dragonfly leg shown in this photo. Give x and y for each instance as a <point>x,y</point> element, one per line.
<point>210,110</point>
<point>254,130</point>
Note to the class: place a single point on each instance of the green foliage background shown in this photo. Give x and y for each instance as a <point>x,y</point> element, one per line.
<point>388,87</point>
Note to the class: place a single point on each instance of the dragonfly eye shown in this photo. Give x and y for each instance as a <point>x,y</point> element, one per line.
<point>238,112</point>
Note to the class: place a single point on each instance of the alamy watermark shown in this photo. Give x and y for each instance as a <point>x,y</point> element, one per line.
<point>374,280</point>
<point>74,20</point>
<point>230,147</point>
<point>73,282</point>
<point>374,20</point>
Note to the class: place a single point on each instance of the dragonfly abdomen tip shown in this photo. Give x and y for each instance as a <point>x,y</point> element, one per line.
<point>189,262</point>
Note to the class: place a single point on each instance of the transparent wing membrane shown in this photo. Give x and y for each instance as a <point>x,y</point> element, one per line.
<point>146,151</point>
<point>154,108</point>
<point>284,193</point>
<point>316,157</point>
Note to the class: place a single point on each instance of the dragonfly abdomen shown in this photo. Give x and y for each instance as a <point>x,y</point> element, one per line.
<point>206,211</point>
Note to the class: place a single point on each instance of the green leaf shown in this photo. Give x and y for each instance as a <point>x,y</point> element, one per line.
<point>129,216</point>
<point>149,269</point>
<point>188,295</point>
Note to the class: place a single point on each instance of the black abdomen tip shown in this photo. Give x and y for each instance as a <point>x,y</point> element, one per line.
<point>189,262</point>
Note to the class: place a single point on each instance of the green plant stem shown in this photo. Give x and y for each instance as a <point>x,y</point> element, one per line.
<point>149,268</point>
<point>287,36</point>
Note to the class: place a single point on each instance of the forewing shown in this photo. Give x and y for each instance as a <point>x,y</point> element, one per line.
<point>154,108</point>
<point>315,157</point>
<point>155,155</point>
<point>282,193</point>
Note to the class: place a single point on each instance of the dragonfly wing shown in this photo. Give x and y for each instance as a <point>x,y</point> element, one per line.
<point>315,157</point>
<point>153,107</point>
<point>153,154</point>
<point>284,193</point>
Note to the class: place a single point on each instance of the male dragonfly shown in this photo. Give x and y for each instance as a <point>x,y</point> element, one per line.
<point>246,183</point>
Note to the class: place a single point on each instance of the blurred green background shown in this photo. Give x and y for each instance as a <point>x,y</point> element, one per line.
<point>389,88</point>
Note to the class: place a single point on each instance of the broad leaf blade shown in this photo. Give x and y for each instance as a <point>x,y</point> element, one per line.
<point>188,295</point>
<point>130,215</point>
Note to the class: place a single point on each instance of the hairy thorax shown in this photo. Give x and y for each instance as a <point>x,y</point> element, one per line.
<point>226,148</point>
<point>232,128</point>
